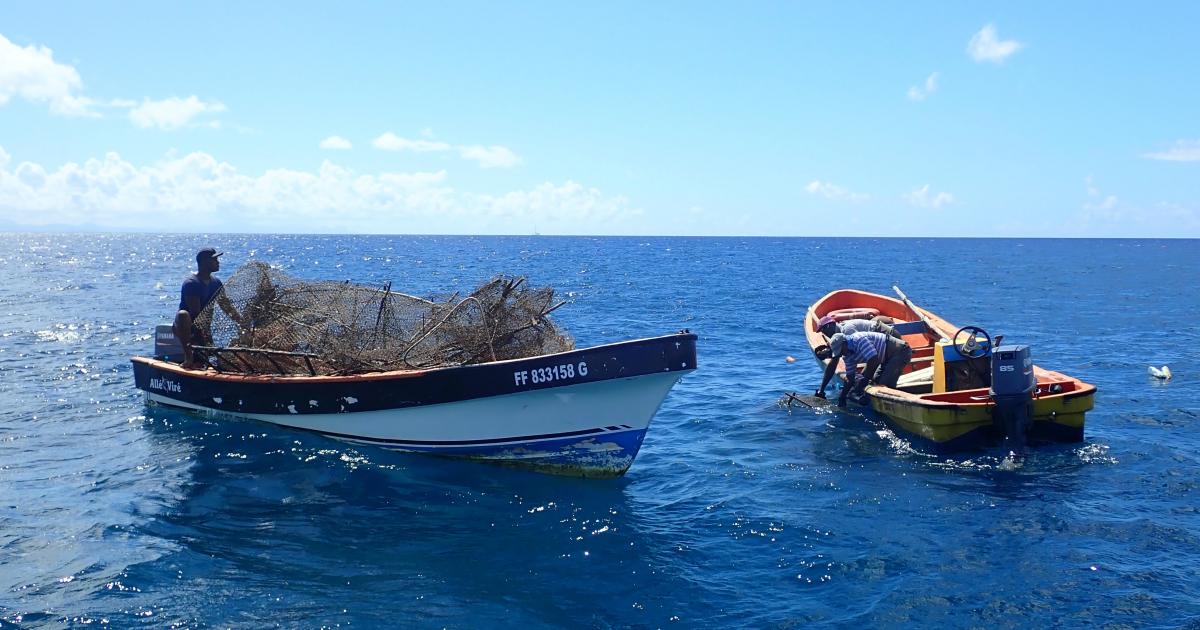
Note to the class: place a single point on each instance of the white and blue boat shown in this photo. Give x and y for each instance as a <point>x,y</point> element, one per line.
<point>583,412</point>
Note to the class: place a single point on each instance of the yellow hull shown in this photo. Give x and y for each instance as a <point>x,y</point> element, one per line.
<point>1054,417</point>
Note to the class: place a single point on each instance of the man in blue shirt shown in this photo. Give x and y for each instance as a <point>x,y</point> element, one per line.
<point>830,327</point>
<point>197,291</point>
<point>876,350</point>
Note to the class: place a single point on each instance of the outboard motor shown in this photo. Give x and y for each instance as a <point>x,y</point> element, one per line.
<point>166,346</point>
<point>1013,385</point>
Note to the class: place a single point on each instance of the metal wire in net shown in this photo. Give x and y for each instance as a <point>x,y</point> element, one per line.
<point>265,321</point>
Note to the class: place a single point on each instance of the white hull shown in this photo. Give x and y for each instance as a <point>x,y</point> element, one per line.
<point>627,403</point>
<point>579,412</point>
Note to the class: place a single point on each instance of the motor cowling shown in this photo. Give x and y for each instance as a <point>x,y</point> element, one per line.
<point>166,346</point>
<point>1013,384</point>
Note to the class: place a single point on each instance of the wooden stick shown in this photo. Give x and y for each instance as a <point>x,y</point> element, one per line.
<point>913,308</point>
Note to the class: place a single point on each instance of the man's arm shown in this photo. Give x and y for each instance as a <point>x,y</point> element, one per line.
<point>851,373</point>
<point>829,370</point>
<point>869,373</point>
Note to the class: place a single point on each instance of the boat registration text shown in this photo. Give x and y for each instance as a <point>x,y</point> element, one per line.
<point>550,374</point>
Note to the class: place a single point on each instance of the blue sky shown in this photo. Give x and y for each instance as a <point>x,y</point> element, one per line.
<point>1073,119</point>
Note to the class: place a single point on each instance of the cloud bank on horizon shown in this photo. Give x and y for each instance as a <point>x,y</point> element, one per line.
<point>131,156</point>
<point>204,193</point>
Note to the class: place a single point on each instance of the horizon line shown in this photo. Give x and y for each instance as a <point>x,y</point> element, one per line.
<point>10,231</point>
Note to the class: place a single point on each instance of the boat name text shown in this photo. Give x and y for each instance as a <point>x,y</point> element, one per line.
<point>165,385</point>
<point>561,372</point>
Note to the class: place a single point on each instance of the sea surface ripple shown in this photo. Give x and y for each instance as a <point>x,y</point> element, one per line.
<point>737,512</point>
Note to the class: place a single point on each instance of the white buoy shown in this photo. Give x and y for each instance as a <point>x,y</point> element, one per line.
<point>1164,372</point>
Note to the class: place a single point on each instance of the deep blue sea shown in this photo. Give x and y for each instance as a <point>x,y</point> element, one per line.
<point>737,513</point>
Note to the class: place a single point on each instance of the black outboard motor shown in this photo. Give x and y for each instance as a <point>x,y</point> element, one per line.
<point>166,346</point>
<point>1013,385</point>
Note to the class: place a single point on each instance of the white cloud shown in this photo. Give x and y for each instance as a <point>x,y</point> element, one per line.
<point>832,191</point>
<point>1106,215</point>
<point>336,143</point>
<point>174,112</point>
<point>1181,151</point>
<point>1098,203</point>
<point>391,142</point>
<point>199,192</point>
<point>494,156</point>
<point>919,93</point>
<point>31,73</point>
<point>1182,219</point>
<point>986,46</point>
<point>924,198</point>
<point>490,157</point>
<point>569,200</point>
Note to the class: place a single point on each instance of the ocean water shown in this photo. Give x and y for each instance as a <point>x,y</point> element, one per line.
<point>737,512</point>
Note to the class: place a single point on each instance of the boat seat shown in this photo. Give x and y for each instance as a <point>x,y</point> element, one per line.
<point>916,378</point>
<point>911,328</point>
<point>904,328</point>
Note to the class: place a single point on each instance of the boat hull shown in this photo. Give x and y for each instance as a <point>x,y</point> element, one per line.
<point>588,419</point>
<point>956,427</point>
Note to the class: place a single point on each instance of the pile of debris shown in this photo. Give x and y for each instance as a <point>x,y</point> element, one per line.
<point>266,321</point>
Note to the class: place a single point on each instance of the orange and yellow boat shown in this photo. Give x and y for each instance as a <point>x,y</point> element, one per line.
<point>945,396</point>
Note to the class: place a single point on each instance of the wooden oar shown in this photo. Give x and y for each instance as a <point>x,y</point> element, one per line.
<point>913,308</point>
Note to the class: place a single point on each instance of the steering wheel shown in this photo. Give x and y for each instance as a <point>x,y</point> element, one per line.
<point>971,347</point>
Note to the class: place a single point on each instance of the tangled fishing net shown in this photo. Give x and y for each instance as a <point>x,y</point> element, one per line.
<point>266,321</point>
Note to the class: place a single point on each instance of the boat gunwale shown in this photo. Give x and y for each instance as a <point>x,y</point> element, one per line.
<point>213,375</point>
<point>903,397</point>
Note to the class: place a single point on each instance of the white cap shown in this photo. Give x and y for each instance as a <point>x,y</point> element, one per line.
<point>837,344</point>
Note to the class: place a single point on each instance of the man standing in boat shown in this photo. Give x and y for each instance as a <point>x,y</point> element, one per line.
<point>876,350</point>
<point>197,291</point>
<point>830,327</point>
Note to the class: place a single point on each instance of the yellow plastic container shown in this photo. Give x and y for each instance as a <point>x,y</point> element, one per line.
<point>939,366</point>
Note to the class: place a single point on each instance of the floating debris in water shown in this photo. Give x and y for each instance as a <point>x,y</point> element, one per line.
<point>1164,372</point>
